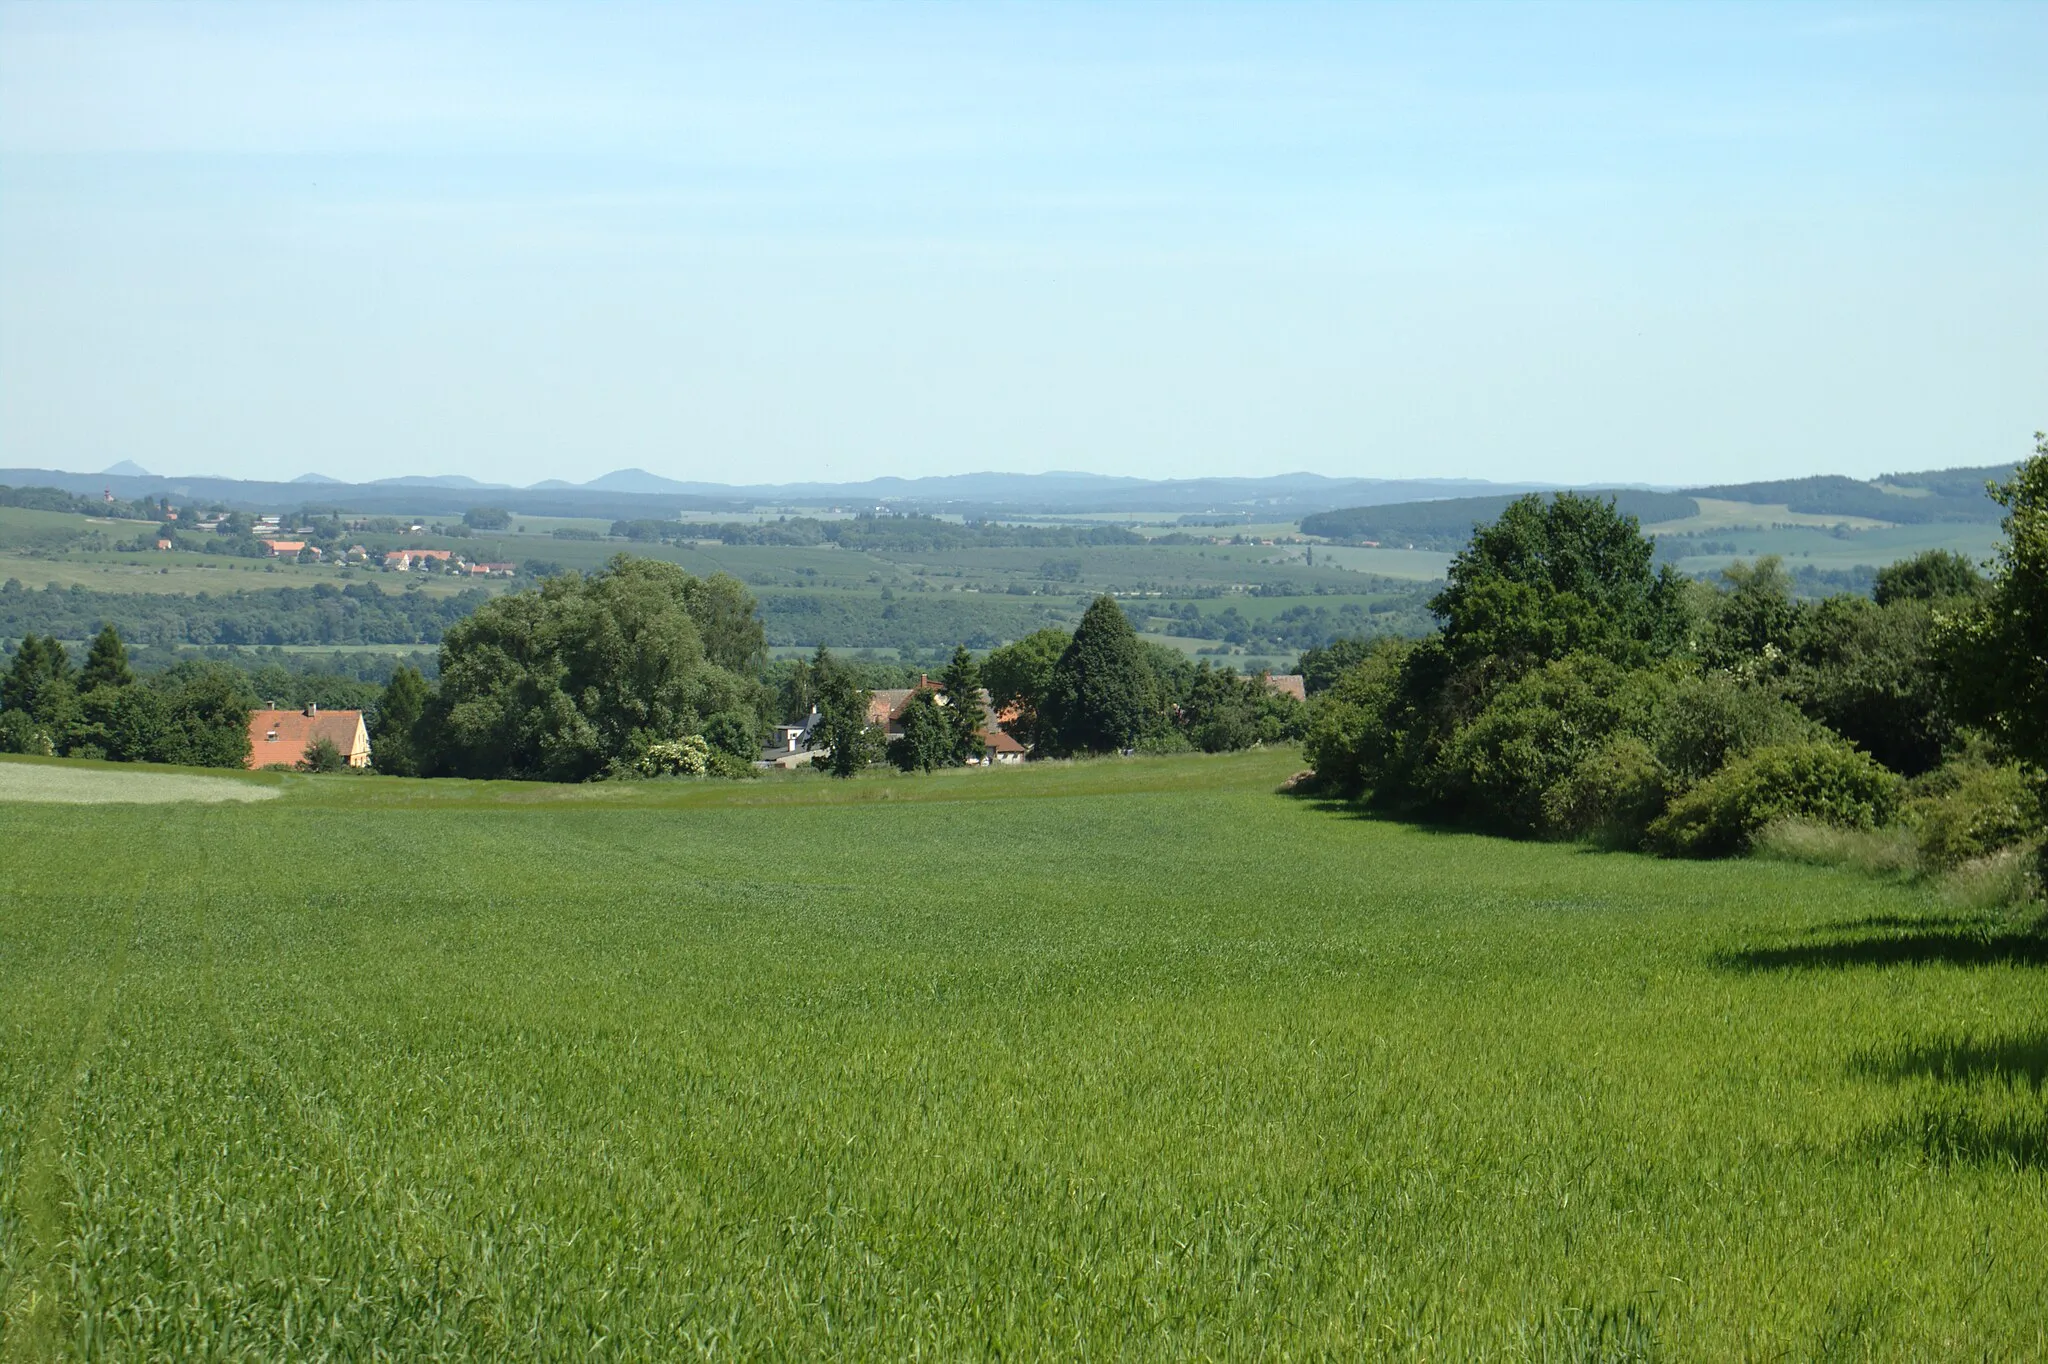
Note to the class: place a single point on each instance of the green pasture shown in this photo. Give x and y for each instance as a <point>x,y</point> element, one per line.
<point>1721,514</point>
<point>183,573</point>
<point>1125,1059</point>
<point>1820,548</point>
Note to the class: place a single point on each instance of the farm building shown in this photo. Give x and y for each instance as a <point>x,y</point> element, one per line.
<point>281,736</point>
<point>280,549</point>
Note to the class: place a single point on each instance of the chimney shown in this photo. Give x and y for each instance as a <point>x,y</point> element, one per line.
<point>312,709</point>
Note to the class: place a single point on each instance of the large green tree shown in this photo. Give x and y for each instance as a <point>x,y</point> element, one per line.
<point>1103,696</point>
<point>1019,675</point>
<point>1932,575</point>
<point>1998,651</point>
<point>578,677</point>
<point>1556,577</point>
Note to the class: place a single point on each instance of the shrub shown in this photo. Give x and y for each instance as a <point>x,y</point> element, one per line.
<point>1825,782</point>
<point>689,756</point>
<point>322,756</point>
<point>1706,721</point>
<point>1610,796</point>
<point>1353,728</point>
<point>1974,813</point>
<point>19,733</point>
<point>1530,738</point>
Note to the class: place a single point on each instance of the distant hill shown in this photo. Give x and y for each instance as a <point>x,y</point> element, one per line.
<point>127,468</point>
<point>433,481</point>
<point>1955,496</point>
<point>1447,523</point>
<point>632,493</point>
<point>315,478</point>
<point>1909,499</point>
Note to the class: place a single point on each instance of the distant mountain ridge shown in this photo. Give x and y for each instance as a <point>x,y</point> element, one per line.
<point>1929,496</point>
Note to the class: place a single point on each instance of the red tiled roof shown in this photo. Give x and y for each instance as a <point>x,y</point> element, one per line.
<point>1001,741</point>
<point>281,736</point>
<point>1288,684</point>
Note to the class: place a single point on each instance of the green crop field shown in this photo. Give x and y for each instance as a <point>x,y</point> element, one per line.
<point>1129,1059</point>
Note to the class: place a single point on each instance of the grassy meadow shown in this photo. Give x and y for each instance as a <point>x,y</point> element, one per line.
<point>1124,1059</point>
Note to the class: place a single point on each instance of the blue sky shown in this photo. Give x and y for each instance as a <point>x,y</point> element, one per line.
<point>762,243</point>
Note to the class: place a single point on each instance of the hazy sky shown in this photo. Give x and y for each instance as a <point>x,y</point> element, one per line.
<point>763,243</point>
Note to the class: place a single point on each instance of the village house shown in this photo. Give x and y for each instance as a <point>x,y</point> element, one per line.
<point>885,711</point>
<point>492,570</point>
<point>281,549</point>
<point>1287,684</point>
<point>405,560</point>
<point>282,736</point>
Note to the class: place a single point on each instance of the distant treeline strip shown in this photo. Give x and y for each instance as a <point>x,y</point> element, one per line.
<point>322,614</point>
<point>899,534</point>
<point>1448,523</point>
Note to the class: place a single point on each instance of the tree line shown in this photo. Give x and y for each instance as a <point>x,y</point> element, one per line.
<point>1576,690</point>
<point>905,533</point>
<point>1096,689</point>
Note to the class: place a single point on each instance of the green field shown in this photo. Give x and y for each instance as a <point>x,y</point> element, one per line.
<point>1130,1059</point>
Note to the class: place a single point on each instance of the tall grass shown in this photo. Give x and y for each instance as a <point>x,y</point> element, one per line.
<point>2007,879</point>
<point>1115,1060</point>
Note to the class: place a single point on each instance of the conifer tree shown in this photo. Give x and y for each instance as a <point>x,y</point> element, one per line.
<point>961,685</point>
<point>1104,696</point>
<point>394,743</point>
<point>106,665</point>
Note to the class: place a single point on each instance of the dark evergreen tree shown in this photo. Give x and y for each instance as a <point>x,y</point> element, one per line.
<point>394,738</point>
<point>106,664</point>
<point>1103,696</point>
<point>960,683</point>
<point>851,743</point>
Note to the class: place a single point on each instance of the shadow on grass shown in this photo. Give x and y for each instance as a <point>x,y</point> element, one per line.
<point>1988,1108</point>
<point>1960,1060</point>
<point>1894,940</point>
<point>1950,1133</point>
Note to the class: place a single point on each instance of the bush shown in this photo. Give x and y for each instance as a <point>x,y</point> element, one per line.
<point>1353,727</point>
<point>1825,782</point>
<point>1974,812</point>
<point>689,756</point>
<point>1530,738</point>
<point>1611,795</point>
<point>322,756</point>
<point>1706,721</point>
<point>19,733</point>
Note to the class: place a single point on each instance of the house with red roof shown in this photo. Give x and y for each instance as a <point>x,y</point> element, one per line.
<point>281,737</point>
